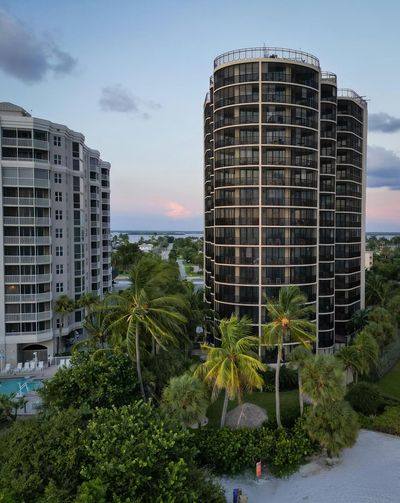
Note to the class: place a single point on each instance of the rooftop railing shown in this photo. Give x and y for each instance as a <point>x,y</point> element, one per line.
<point>349,93</point>
<point>329,76</point>
<point>267,53</point>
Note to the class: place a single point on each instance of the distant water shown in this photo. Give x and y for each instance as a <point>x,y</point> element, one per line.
<point>379,235</point>
<point>134,238</point>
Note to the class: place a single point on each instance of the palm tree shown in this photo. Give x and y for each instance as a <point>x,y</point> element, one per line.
<point>360,319</point>
<point>334,425</point>
<point>351,360</point>
<point>368,351</point>
<point>9,406</point>
<point>98,327</point>
<point>234,366</point>
<point>289,319</point>
<point>297,358</point>
<point>186,399</point>
<point>88,301</point>
<point>63,306</point>
<point>322,379</point>
<point>145,309</point>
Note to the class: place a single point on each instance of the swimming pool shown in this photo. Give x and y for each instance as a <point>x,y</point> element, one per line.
<point>9,386</point>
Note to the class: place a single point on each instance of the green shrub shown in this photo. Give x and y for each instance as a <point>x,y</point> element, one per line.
<point>289,415</point>
<point>388,422</point>
<point>41,457</point>
<point>229,451</point>
<point>291,448</point>
<point>131,453</point>
<point>136,454</point>
<point>365,398</point>
<point>103,381</point>
<point>287,379</point>
<point>365,422</point>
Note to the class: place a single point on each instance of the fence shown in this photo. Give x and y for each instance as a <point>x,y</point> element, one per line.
<point>390,356</point>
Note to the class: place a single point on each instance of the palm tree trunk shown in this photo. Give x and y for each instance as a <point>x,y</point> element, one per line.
<point>301,402</point>
<point>277,397</point>
<point>59,336</point>
<point>224,408</point>
<point>138,369</point>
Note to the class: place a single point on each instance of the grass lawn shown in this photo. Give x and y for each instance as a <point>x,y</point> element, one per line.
<point>289,400</point>
<point>390,383</point>
<point>190,272</point>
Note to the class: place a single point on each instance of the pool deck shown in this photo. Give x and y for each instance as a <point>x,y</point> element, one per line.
<point>46,373</point>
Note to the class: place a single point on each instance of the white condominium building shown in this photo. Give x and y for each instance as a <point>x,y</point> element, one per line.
<point>55,232</point>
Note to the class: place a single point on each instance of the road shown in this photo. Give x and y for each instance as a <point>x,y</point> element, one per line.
<point>165,253</point>
<point>182,271</point>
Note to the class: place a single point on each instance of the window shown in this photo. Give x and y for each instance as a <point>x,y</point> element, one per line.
<point>58,322</point>
<point>58,196</point>
<point>59,251</point>
<point>59,214</point>
<point>59,233</point>
<point>57,159</point>
<point>59,268</point>
<point>57,178</point>
<point>59,287</point>
<point>57,141</point>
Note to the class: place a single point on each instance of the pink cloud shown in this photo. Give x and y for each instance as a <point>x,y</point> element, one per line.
<point>174,209</point>
<point>383,206</point>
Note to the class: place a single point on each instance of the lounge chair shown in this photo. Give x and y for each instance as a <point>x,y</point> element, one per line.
<point>18,368</point>
<point>40,366</point>
<point>27,367</point>
<point>32,367</point>
<point>6,369</point>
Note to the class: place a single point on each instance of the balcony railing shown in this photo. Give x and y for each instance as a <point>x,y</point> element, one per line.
<point>27,240</point>
<point>328,77</point>
<point>31,297</point>
<point>37,278</point>
<point>27,259</point>
<point>19,317</point>
<point>26,221</point>
<point>349,93</point>
<point>266,53</point>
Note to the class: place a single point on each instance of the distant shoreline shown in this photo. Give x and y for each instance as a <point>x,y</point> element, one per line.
<point>161,233</point>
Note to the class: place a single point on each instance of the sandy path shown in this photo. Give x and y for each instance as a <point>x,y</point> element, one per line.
<point>367,473</point>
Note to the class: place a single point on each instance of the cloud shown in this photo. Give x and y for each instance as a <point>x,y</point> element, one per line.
<point>116,98</point>
<point>383,168</point>
<point>383,122</point>
<point>176,210</point>
<point>27,56</point>
<point>383,209</point>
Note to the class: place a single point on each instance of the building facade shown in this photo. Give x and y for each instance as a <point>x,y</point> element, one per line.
<point>284,188</point>
<point>55,232</point>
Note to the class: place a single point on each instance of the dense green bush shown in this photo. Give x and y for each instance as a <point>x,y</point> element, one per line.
<point>291,448</point>
<point>136,454</point>
<point>229,451</point>
<point>41,457</point>
<point>113,455</point>
<point>365,398</point>
<point>289,415</point>
<point>388,422</point>
<point>287,379</point>
<point>106,380</point>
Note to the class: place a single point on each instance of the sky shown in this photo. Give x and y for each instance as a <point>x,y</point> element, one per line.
<point>131,75</point>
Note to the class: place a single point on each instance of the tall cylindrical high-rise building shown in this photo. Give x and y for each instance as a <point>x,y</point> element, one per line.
<point>270,184</point>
